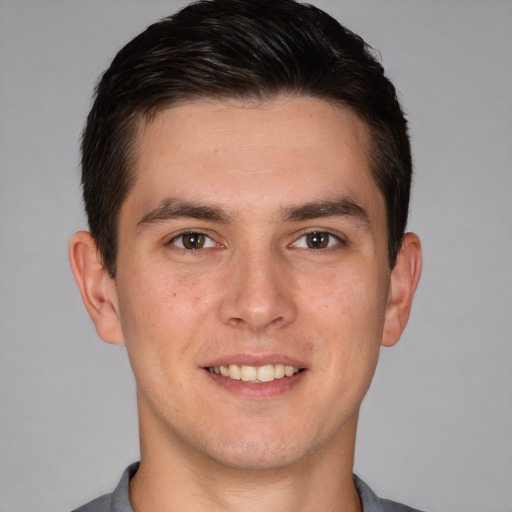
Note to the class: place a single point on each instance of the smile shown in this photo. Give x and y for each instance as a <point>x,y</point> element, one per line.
<point>255,374</point>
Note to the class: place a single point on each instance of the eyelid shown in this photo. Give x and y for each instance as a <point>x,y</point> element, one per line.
<point>175,236</point>
<point>341,239</point>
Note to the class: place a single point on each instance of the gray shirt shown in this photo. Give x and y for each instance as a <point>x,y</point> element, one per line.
<point>119,500</point>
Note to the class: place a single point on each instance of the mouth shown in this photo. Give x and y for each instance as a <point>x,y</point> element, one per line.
<point>255,374</point>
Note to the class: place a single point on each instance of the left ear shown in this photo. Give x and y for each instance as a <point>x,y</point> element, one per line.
<point>402,285</point>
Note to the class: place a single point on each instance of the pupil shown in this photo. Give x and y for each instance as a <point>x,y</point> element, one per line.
<point>317,240</point>
<point>193,240</point>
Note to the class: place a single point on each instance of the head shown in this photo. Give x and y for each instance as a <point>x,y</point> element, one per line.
<point>246,173</point>
<point>241,50</point>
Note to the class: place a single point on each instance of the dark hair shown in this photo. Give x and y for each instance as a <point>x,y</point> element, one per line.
<point>243,49</point>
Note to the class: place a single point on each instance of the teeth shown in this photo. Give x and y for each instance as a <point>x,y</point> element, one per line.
<point>246,373</point>
<point>266,373</point>
<point>279,371</point>
<point>289,370</point>
<point>234,371</point>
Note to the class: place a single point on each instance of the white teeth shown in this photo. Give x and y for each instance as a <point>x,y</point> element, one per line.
<point>289,370</point>
<point>266,373</point>
<point>248,373</point>
<point>279,371</point>
<point>234,371</point>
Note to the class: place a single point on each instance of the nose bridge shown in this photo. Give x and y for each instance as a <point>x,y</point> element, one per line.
<point>257,294</point>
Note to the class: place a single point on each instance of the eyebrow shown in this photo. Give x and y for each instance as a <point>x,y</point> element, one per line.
<point>327,208</point>
<point>174,208</point>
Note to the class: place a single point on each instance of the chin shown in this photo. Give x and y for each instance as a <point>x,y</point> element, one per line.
<point>262,450</point>
<point>269,447</point>
<point>257,455</point>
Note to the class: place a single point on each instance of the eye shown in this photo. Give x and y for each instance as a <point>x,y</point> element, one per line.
<point>192,240</point>
<point>317,240</point>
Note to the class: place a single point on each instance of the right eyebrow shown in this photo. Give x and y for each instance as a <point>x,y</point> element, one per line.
<point>174,208</point>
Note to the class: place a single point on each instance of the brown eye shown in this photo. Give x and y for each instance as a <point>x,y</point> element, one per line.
<point>318,240</point>
<point>192,240</point>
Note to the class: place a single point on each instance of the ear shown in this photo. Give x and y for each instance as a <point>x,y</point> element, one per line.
<point>402,285</point>
<point>97,288</point>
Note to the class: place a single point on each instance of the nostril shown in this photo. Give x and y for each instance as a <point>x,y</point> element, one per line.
<point>257,299</point>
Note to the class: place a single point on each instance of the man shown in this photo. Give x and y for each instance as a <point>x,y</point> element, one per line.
<point>246,174</point>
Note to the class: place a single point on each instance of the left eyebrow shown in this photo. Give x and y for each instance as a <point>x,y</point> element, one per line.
<point>326,208</point>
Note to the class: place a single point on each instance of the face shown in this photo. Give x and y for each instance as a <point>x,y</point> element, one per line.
<point>252,279</point>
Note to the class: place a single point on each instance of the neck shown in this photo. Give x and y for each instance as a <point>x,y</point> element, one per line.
<point>172,476</point>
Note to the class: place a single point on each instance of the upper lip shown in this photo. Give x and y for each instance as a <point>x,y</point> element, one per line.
<point>254,360</point>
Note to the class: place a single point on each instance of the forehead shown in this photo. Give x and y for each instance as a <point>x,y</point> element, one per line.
<point>285,150</point>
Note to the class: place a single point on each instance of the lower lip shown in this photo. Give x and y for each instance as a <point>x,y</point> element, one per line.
<point>259,390</point>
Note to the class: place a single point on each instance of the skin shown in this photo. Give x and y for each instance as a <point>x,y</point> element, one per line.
<point>255,292</point>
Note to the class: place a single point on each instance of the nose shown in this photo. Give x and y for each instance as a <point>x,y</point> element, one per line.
<point>258,293</point>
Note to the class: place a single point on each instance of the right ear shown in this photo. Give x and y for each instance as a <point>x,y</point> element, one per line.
<point>97,288</point>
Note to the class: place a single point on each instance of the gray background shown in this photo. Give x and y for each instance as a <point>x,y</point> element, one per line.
<point>436,425</point>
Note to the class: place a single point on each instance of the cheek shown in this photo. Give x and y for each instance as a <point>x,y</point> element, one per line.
<point>159,299</point>
<point>161,316</point>
<point>349,318</point>
<point>346,301</point>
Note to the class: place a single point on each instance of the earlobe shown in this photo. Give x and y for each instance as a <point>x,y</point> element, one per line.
<point>402,286</point>
<point>96,287</point>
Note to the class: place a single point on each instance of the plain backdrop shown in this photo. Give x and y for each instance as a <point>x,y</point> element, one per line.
<point>435,429</point>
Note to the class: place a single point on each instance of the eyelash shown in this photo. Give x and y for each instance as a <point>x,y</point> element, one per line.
<point>339,241</point>
<point>174,239</point>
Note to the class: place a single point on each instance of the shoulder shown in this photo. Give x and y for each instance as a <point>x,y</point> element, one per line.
<point>102,504</point>
<point>393,506</point>
<point>117,501</point>
<point>372,503</point>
